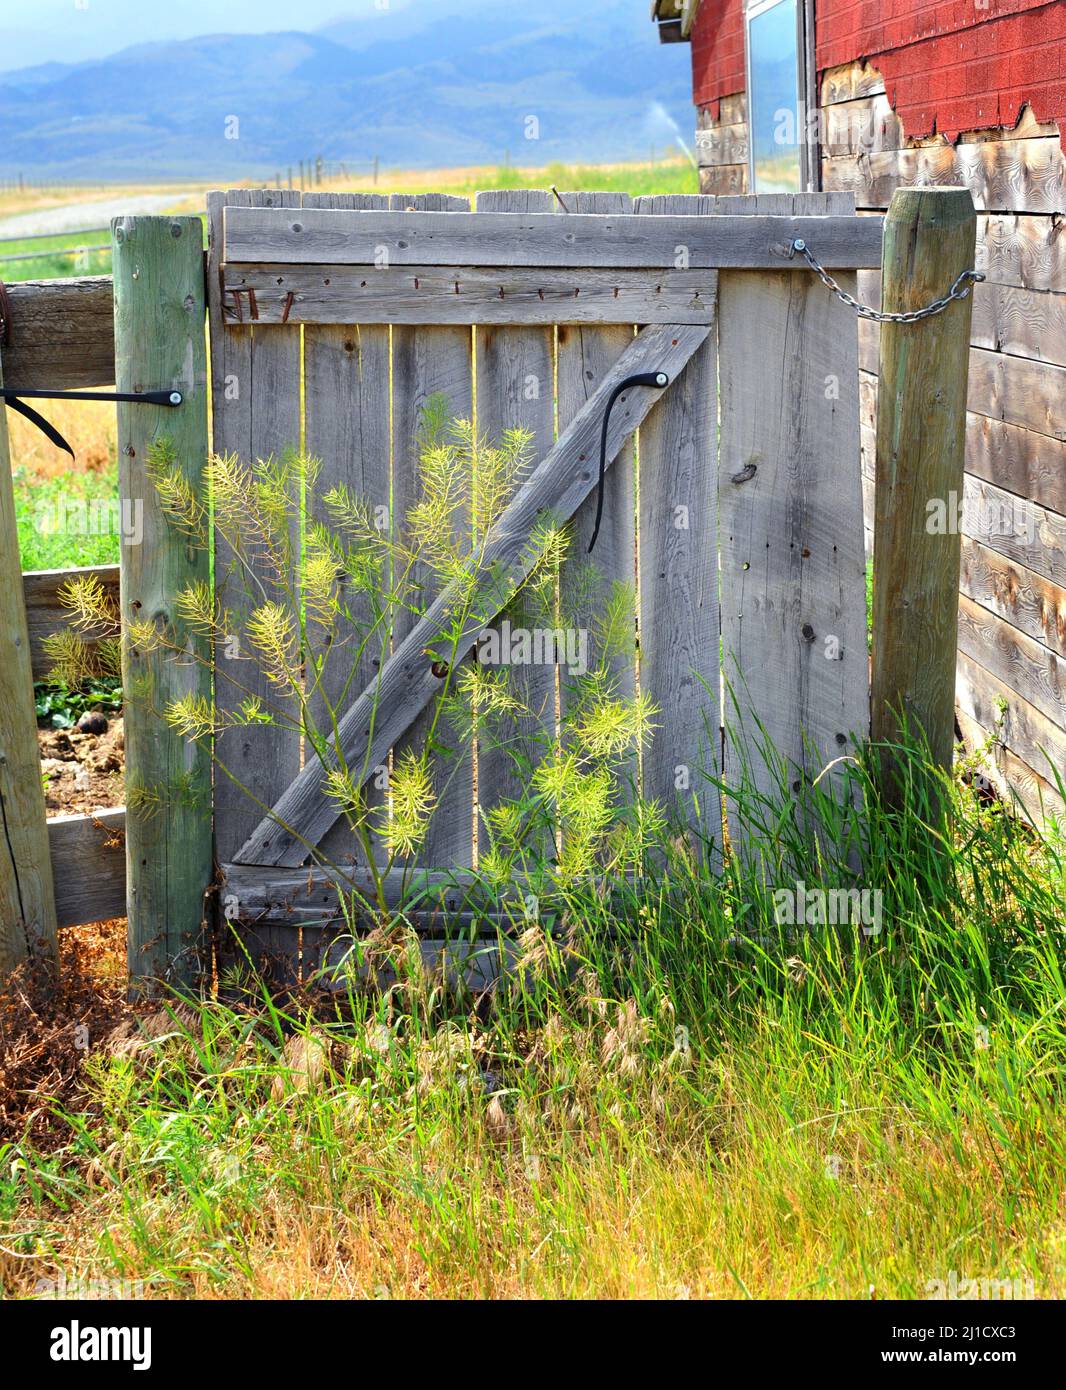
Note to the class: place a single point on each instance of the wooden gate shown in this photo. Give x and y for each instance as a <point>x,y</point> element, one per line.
<point>733,503</point>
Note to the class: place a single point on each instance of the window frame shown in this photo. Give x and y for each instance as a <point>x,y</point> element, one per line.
<point>810,164</point>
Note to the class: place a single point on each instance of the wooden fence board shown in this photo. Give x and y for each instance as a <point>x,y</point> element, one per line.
<point>159,341</point>
<point>586,354</point>
<point>89,867</point>
<point>559,485</point>
<point>256,403</point>
<point>27,904</point>
<point>426,361</point>
<point>792,562</point>
<point>463,295</point>
<point>516,389</point>
<point>62,334</point>
<point>680,624</point>
<point>346,423</point>
<point>327,237</point>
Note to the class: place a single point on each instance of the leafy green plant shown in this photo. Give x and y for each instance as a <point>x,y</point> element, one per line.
<point>45,508</point>
<point>60,707</point>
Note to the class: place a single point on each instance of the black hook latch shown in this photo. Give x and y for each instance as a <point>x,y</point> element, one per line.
<point>13,396</point>
<point>657,379</point>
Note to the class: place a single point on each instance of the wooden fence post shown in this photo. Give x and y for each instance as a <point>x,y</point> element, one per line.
<point>921,438</point>
<point>27,905</point>
<point>160,344</point>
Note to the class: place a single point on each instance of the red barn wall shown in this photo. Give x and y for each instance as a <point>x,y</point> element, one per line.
<point>717,53</point>
<point>948,65</point>
<point>953,65</point>
<point>966,92</point>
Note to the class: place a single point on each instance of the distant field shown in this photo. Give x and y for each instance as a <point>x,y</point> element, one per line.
<point>86,251</point>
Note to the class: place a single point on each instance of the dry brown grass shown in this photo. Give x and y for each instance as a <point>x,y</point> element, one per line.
<point>90,430</point>
<point>46,1034</point>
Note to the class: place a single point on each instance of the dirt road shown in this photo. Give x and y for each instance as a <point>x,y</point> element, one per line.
<point>75,216</point>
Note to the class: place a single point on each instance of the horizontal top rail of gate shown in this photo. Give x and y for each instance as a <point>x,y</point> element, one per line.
<point>372,237</point>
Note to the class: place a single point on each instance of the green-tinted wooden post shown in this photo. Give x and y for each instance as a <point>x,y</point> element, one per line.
<point>160,345</point>
<point>921,439</point>
<point>27,906</point>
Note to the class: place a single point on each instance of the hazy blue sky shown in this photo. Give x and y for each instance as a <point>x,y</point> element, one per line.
<point>40,31</point>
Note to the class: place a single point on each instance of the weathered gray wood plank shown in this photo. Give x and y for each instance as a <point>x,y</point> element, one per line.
<point>515,389</point>
<point>1020,726</point>
<point>1024,250</point>
<point>1025,665</point>
<point>159,342</point>
<point>1002,176</point>
<point>1015,527</point>
<point>792,558</point>
<point>428,361</point>
<point>346,423</point>
<point>558,486</point>
<point>328,237</point>
<point>680,623</point>
<point>88,867</point>
<point>27,904</point>
<point>586,356</point>
<point>1021,597</point>
<point>62,334</point>
<point>466,294</point>
<point>256,410</point>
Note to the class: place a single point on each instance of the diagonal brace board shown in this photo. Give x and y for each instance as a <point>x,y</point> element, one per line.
<point>406,683</point>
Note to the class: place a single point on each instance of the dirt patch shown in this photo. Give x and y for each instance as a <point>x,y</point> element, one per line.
<point>82,771</point>
<point>46,1034</point>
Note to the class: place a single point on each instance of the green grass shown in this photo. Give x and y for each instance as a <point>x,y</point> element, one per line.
<point>707,1103</point>
<point>44,508</point>
<point>636,179</point>
<point>49,264</point>
<point>672,177</point>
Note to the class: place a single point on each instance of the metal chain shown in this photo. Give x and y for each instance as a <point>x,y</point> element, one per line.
<point>959,290</point>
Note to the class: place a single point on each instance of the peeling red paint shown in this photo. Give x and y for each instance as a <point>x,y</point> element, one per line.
<point>717,52</point>
<point>949,65</point>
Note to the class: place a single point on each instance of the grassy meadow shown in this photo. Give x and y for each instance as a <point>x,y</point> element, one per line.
<point>678,1098</point>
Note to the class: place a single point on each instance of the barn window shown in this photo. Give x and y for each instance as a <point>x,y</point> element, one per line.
<point>776,96</point>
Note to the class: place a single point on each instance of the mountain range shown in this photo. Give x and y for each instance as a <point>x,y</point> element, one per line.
<point>553,81</point>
